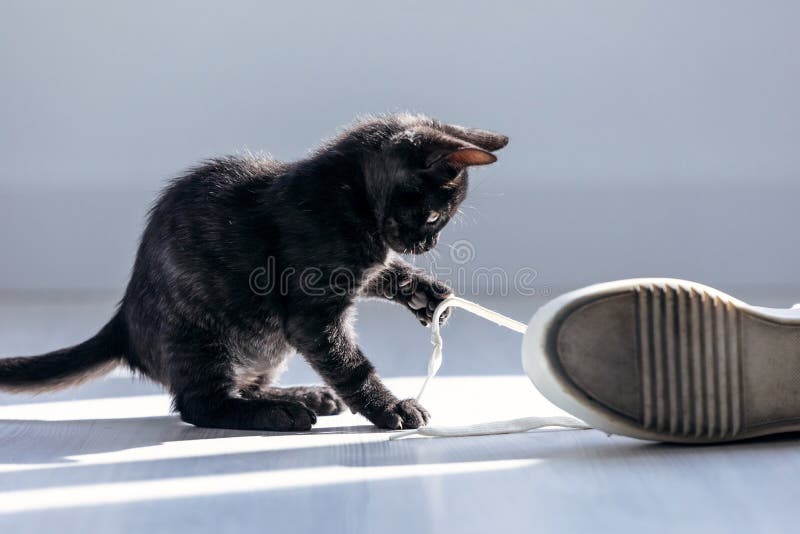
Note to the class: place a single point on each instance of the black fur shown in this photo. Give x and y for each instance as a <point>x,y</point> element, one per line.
<point>245,260</point>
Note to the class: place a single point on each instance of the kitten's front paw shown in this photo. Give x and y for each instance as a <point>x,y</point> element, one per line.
<point>427,295</point>
<point>322,400</point>
<point>404,414</point>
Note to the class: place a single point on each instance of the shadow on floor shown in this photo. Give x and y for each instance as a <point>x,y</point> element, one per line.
<point>35,441</point>
<point>42,442</point>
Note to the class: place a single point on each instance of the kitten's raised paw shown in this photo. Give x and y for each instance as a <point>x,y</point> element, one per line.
<point>427,296</point>
<point>404,414</point>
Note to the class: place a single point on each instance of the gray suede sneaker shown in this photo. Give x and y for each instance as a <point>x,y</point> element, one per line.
<point>667,360</point>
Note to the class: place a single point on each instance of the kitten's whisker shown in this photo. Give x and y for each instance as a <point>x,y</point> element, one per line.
<point>432,256</point>
<point>474,211</point>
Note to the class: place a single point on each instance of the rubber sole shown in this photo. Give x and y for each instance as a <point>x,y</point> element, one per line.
<point>667,360</point>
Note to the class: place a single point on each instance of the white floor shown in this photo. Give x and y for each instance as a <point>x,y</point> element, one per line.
<point>110,457</point>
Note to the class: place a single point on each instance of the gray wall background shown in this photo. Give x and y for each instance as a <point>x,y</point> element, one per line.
<point>648,137</point>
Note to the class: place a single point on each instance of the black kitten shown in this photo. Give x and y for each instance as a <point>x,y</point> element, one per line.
<point>246,260</point>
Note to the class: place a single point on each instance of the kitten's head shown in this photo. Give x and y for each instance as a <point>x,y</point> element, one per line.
<point>417,177</point>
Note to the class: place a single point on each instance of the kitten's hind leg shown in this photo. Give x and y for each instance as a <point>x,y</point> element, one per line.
<point>323,400</point>
<point>208,390</point>
<point>245,414</point>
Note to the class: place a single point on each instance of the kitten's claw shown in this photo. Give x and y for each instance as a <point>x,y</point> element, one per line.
<point>404,414</point>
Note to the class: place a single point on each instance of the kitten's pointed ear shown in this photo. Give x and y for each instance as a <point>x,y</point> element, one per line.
<point>440,147</point>
<point>468,157</point>
<point>484,139</point>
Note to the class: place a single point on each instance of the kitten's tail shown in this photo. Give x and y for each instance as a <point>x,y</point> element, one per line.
<point>65,367</point>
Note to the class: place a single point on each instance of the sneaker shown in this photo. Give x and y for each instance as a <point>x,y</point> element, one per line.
<point>667,360</point>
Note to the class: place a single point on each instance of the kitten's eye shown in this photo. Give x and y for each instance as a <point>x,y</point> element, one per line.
<point>433,217</point>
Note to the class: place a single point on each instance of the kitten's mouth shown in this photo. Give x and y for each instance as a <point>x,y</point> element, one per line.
<point>394,240</point>
<point>415,248</point>
<point>426,245</point>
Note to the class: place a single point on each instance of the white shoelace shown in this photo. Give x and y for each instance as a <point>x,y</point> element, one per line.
<point>511,426</point>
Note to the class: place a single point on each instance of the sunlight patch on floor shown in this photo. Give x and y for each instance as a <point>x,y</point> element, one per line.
<point>154,433</point>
